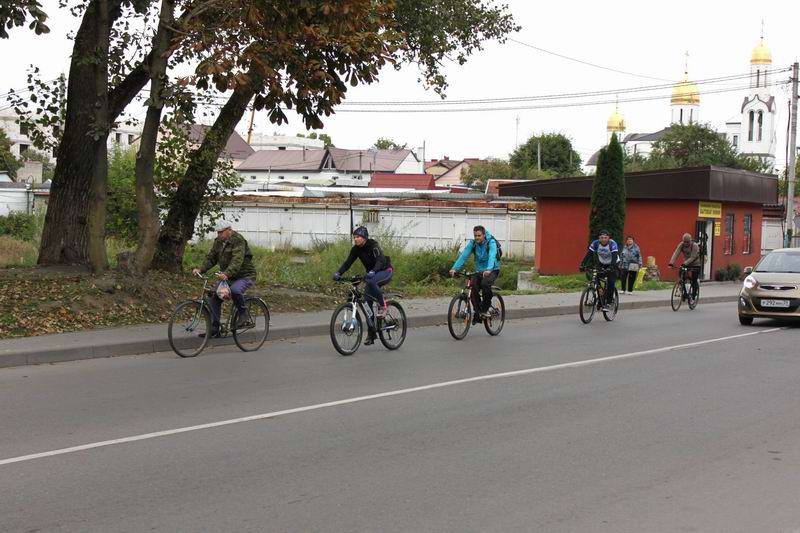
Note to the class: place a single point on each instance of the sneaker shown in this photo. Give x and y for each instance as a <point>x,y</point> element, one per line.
<point>370,340</point>
<point>244,321</point>
<point>380,312</point>
<point>606,308</point>
<point>476,319</point>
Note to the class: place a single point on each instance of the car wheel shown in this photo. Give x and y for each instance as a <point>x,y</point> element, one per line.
<point>745,320</point>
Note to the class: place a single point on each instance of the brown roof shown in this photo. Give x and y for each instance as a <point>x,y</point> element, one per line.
<point>385,180</point>
<point>697,183</point>
<point>285,160</point>
<point>370,160</point>
<point>493,185</point>
<point>449,164</point>
<point>235,148</point>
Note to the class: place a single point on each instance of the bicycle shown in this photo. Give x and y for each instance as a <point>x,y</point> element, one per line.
<point>190,324</point>
<point>682,291</point>
<point>594,298</point>
<point>459,313</point>
<point>347,324</point>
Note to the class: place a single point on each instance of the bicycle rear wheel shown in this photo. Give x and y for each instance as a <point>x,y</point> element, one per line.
<point>677,296</point>
<point>588,305</point>
<point>393,327</point>
<point>497,316</point>
<point>459,316</point>
<point>254,334</point>
<point>346,329</point>
<point>189,328</point>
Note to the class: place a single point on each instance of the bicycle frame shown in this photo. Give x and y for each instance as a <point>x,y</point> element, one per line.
<point>357,300</point>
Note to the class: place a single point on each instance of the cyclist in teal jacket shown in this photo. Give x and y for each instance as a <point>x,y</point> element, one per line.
<point>487,266</point>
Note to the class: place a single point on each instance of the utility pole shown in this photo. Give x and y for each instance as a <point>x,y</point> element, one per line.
<point>516,135</point>
<point>250,129</point>
<point>792,163</point>
<point>539,155</point>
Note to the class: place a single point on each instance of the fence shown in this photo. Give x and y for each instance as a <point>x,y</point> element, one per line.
<point>302,225</point>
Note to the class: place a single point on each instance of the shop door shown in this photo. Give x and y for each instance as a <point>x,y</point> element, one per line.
<point>704,231</point>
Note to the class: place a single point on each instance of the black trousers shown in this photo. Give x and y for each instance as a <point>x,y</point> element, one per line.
<point>481,294</point>
<point>694,279</point>
<point>629,279</point>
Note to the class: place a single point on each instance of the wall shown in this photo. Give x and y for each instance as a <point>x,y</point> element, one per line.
<point>562,232</point>
<point>771,235</point>
<point>15,200</point>
<point>300,226</point>
<point>315,177</point>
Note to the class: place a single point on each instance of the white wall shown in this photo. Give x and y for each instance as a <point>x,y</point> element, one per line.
<point>14,200</point>
<point>299,225</point>
<point>255,180</point>
<point>410,165</point>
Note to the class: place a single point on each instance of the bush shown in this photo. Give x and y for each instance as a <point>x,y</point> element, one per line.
<point>20,226</point>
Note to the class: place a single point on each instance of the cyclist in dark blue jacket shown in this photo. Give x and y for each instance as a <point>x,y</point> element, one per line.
<point>603,253</point>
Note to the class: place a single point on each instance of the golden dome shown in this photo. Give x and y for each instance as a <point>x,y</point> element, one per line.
<point>761,55</point>
<point>616,122</point>
<point>686,93</point>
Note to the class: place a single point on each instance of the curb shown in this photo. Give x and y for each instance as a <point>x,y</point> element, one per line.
<point>77,353</point>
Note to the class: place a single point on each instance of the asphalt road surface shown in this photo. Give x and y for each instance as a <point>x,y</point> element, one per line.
<point>659,421</point>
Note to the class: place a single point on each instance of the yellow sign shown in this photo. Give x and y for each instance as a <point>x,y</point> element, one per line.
<point>710,210</point>
<point>717,229</point>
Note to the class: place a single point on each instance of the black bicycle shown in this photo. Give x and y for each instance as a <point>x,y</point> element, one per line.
<point>460,311</point>
<point>190,324</point>
<point>595,297</point>
<point>347,324</point>
<point>682,291</point>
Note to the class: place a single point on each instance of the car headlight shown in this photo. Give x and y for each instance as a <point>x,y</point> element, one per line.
<point>750,282</point>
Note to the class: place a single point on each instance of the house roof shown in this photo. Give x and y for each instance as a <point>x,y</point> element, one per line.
<point>385,180</point>
<point>718,184</point>
<point>368,160</point>
<point>493,186</point>
<point>446,163</point>
<point>236,147</point>
<point>645,137</point>
<point>277,160</point>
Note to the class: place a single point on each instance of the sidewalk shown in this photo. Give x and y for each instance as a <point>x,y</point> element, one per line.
<point>421,312</point>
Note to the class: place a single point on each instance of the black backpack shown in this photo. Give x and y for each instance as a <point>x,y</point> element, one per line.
<point>499,248</point>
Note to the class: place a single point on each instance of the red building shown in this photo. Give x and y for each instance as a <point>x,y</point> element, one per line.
<point>721,206</point>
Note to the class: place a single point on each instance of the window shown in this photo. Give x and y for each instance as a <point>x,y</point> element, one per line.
<point>118,137</point>
<point>760,124</point>
<point>758,78</point>
<point>305,177</point>
<point>23,128</point>
<point>281,148</point>
<point>728,234</point>
<point>748,234</point>
<point>252,177</point>
<point>736,141</point>
<point>130,138</point>
<point>23,148</point>
<point>751,120</point>
<point>691,116</point>
<point>280,177</point>
<point>680,120</point>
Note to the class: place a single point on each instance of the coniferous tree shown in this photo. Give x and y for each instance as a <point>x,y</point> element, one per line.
<point>608,193</point>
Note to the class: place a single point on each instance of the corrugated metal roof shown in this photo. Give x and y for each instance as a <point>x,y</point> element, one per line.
<point>368,160</point>
<point>277,160</point>
<point>402,181</point>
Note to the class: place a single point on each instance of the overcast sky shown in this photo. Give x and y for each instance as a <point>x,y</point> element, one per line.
<point>646,38</point>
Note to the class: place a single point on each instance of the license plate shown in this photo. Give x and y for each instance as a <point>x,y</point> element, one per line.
<point>775,303</point>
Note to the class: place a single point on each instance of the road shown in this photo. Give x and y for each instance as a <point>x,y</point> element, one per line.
<point>660,421</point>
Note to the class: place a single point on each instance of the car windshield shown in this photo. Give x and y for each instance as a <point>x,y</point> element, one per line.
<point>780,262</point>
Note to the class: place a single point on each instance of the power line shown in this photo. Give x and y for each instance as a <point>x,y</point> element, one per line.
<point>540,106</point>
<point>587,63</point>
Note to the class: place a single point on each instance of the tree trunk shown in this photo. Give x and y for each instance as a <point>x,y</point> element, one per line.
<point>73,224</point>
<point>146,200</point>
<point>184,208</point>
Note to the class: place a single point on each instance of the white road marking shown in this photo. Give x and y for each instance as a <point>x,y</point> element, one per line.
<point>399,392</point>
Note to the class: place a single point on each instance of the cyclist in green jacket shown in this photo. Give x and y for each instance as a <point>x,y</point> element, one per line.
<point>232,254</point>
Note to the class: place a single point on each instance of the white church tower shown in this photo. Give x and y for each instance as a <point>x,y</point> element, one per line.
<point>685,102</point>
<point>754,133</point>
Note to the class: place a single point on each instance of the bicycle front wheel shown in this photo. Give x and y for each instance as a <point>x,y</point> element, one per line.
<point>254,332</point>
<point>189,328</point>
<point>459,316</point>
<point>392,330</point>
<point>588,305</point>
<point>677,295</point>
<point>346,329</point>
<point>497,316</point>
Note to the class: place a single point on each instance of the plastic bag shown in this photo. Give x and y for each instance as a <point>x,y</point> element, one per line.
<point>223,290</point>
